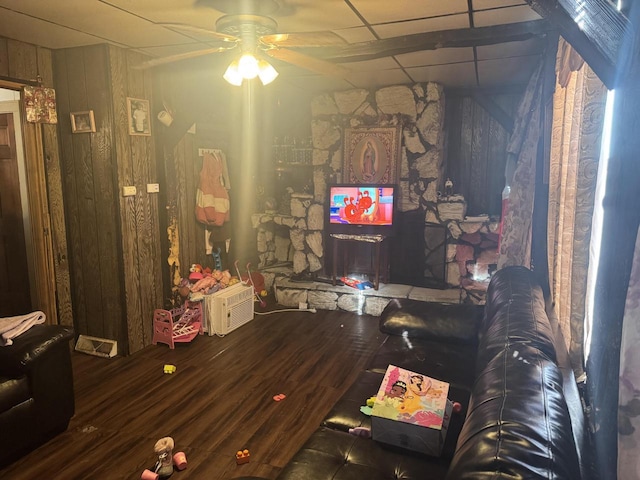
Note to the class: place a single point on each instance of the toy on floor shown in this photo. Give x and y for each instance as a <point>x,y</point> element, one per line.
<point>242,456</point>
<point>166,461</point>
<point>177,325</point>
<point>249,280</point>
<point>280,396</point>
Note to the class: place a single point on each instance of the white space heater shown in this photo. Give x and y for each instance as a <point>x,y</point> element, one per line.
<point>228,309</point>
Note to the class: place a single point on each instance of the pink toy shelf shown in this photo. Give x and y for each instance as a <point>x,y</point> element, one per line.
<point>178,325</point>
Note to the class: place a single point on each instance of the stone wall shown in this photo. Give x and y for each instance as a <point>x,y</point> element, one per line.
<point>418,109</point>
<point>295,238</point>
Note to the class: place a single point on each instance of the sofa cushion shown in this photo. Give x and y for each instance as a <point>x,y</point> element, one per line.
<point>518,425</point>
<point>13,391</point>
<point>334,455</point>
<point>346,414</point>
<point>452,323</point>
<point>451,363</point>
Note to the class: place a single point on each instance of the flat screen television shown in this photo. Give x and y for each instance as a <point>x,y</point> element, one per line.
<point>361,209</point>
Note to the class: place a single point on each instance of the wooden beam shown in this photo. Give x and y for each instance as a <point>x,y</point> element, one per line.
<point>464,37</point>
<point>593,27</point>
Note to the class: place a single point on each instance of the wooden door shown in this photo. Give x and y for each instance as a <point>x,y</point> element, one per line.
<point>15,298</point>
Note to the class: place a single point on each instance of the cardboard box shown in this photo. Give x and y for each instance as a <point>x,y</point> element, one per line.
<point>411,411</point>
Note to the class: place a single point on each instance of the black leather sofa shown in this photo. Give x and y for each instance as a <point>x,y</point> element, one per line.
<point>36,390</point>
<point>507,365</point>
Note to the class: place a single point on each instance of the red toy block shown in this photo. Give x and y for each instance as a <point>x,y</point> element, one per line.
<point>280,396</point>
<point>242,456</point>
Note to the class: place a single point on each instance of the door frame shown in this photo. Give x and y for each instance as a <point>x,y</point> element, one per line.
<point>40,249</point>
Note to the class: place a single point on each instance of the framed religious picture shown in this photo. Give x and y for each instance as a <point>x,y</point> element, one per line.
<point>139,116</point>
<point>40,104</point>
<point>371,155</point>
<point>83,122</point>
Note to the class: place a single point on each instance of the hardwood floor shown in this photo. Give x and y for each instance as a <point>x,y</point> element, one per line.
<point>218,401</point>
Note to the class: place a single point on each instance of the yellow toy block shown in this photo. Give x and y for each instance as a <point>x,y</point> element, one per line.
<point>169,368</point>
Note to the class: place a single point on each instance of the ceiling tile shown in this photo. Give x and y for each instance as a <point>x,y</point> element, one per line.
<point>510,49</point>
<point>378,78</point>
<point>454,75</point>
<point>38,32</point>
<point>390,30</point>
<point>381,11</point>
<point>515,70</point>
<point>485,4</point>
<point>436,57</point>
<point>385,63</point>
<point>312,15</point>
<point>314,83</point>
<point>501,16</point>
<point>356,34</point>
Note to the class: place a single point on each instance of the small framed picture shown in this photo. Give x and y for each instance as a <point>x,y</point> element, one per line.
<point>83,122</point>
<point>139,118</point>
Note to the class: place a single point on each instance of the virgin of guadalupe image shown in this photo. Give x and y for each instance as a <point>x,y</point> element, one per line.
<point>368,162</point>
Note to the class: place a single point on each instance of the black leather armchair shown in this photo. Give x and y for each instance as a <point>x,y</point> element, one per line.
<point>36,389</point>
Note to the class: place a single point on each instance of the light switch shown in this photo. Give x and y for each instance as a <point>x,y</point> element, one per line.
<point>153,187</point>
<point>128,191</point>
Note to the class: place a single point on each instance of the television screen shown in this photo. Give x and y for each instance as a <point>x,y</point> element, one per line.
<point>361,208</point>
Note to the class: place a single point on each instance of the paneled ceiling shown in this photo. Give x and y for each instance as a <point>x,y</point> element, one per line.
<point>137,25</point>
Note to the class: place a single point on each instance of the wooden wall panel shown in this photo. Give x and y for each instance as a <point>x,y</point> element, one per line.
<point>119,93</point>
<point>82,81</point>
<point>476,151</point>
<point>73,220</point>
<point>192,233</point>
<point>139,224</point>
<point>4,58</point>
<point>59,258</point>
<point>105,190</point>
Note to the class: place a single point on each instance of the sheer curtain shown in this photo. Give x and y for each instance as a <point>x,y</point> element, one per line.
<point>578,118</point>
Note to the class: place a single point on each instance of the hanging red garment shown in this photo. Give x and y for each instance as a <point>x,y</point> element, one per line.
<point>212,199</point>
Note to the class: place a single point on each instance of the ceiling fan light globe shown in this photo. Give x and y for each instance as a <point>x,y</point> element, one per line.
<point>266,72</point>
<point>232,74</point>
<point>248,66</point>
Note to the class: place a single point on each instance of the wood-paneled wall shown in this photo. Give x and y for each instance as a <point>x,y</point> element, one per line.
<point>476,150</point>
<point>114,240</point>
<point>21,63</point>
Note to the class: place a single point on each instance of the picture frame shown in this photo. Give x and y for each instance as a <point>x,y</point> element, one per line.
<point>371,155</point>
<point>139,115</point>
<point>40,104</point>
<point>83,122</point>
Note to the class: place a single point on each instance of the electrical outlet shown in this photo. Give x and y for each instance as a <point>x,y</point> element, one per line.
<point>129,191</point>
<point>153,187</point>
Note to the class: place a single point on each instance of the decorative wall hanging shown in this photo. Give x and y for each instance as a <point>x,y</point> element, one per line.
<point>83,122</point>
<point>371,155</point>
<point>139,117</point>
<point>40,104</point>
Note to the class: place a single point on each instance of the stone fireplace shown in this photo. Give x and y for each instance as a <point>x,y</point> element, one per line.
<point>463,255</point>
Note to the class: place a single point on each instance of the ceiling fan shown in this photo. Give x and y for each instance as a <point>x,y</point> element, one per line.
<point>248,27</point>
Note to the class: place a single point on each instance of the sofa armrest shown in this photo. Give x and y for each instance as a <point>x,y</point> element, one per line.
<point>19,358</point>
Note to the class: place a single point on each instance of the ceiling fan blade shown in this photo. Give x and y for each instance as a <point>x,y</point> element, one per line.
<point>181,56</point>
<point>307,62</point>
<point>303,39</point>
<point>223,37</point>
